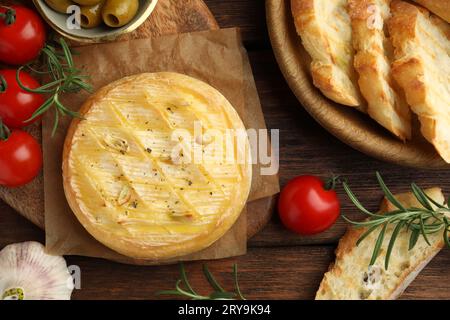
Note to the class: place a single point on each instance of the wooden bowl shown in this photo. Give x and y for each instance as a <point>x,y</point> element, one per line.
<point>347,124</point>
<point>58,21</point>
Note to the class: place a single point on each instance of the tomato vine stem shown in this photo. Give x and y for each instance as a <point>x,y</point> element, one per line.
<point>332,182</point>
<point>4,131</point>
<point>9,16</point>
<point>3,84</point>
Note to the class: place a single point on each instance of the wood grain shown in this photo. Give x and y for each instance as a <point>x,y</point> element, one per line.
<point>173,16</point>
<point>169,16</point>
<point>347,124</point>
<point>264,273</point>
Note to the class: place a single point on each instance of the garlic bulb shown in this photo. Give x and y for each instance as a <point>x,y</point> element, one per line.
<point>28,273</point>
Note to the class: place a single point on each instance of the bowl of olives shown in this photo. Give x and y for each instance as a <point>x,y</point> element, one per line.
<point>95,20</point>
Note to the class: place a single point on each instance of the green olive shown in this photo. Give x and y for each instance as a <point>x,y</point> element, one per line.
<point>87,2</point>
<point>117,13</point>
<point>59,5</point>
<point>91,16</point>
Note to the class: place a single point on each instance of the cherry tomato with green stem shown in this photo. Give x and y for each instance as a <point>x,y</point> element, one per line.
<point>308,206</point>
<point>17,105</point>
<point>20,157</point>
<point>22,34</point>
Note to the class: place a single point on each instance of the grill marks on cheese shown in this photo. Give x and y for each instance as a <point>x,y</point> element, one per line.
<point>167,201</point>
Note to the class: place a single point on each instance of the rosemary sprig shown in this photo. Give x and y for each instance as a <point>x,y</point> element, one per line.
<point>64,78</point>
<point>430,219</point>
<point>183,287</point>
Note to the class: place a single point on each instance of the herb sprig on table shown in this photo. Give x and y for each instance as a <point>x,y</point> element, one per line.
<point>432,218</point>
<point>183,287</point>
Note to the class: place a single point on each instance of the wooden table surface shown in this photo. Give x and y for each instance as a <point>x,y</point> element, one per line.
<point>279,264</point>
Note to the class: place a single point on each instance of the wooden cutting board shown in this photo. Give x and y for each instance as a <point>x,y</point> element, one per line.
<point>170,16</point>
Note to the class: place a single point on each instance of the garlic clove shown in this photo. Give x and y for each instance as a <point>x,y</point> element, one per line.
<point>28,273</point>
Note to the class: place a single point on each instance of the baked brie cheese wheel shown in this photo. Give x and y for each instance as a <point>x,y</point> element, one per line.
<point>159,167</point>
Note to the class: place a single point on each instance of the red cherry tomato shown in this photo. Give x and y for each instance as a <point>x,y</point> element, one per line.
<point>20,40</point>
<point>17,105</point>
<point>20,159</point>
<point>306,207</point>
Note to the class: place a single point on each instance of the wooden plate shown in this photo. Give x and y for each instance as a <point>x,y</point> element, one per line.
<point>347,124</point>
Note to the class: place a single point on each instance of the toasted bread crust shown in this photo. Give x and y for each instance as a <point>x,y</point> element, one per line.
<point>386,102</point>
<point>332,66</point>
<point>343,280</point>
<point>438,7</point>
<point>422,68</point>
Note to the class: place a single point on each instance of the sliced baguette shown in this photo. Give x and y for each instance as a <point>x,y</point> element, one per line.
<point>374,53</point>
<point>438,7</point>
<point>325,30</point>
<point>350,278</point>
<point>422,68</point>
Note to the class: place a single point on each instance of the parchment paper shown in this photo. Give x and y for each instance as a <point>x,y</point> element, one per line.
<point>216,57</point>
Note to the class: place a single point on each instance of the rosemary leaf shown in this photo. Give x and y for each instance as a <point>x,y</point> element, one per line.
<point>67,52</point>
<point>388,194</point>
<point>378,244</point>
<point>394,236</point>
<point>367,233</point>
<point>434,202</point>
<point>42,89</point>
<point>236,282</point>
<point>185,278</point>
<point>85,86</point>
<point>361,224</point>
<point>355,200</point>
<point>55,123</point>
<point>422,230</point>
<point>169,292</point>
<point>212,281</point>
<point>43,108</point>
<point>64,110</point>
<point>413,239</point>
<point>188,294</point>
<point>222,296</point>
<point>446,231</point>
<point>421,197</point>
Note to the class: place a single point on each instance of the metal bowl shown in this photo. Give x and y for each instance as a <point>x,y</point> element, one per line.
<point>58,21</point>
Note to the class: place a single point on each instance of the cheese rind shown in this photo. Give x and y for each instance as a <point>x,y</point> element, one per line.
<point>132,171</point>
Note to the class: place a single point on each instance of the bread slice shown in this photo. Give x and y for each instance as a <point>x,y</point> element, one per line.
<point>374,53</point>
<point>438,7</point>
<point>422,68</point>
<point>325,30</point>
<point>350,278</point>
